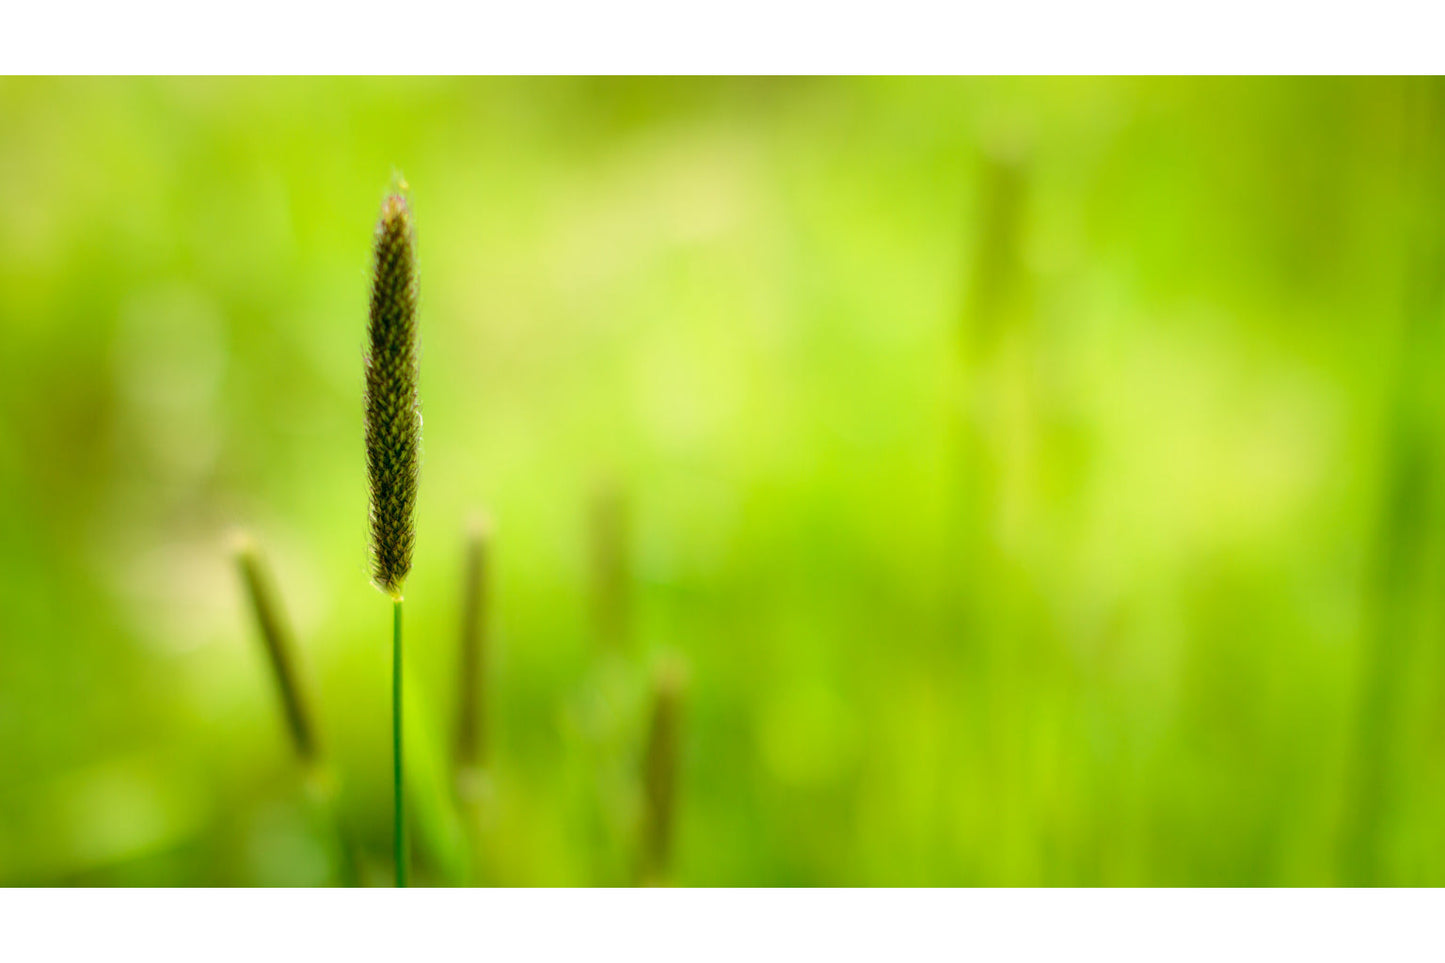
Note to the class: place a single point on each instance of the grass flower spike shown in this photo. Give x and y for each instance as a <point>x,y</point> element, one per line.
<point>393,418</point>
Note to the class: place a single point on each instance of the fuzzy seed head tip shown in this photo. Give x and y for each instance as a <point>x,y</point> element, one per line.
<point>395,212</point>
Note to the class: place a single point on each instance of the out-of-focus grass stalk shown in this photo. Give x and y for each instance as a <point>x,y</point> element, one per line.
<point>472,654</point>
<point>436,839</point>
<point>275,632</point>
<point>994,310</point>
<point>609,529</point>
<point>994,433</point>
<point>276,636</point>
<point>996,276</point>
<point>470,777</point>
<point>613,691</point>
<point>393,445</point>
<point>1410,479</point>
<point>660,772</point>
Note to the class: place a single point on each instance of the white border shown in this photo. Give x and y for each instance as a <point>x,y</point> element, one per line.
<point>740,36</point>
<point>723,925</point>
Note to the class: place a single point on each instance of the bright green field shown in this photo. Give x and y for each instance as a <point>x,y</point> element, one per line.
<point>1042,480</point>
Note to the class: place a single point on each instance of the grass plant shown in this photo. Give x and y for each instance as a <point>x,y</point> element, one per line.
<point>393,447</point>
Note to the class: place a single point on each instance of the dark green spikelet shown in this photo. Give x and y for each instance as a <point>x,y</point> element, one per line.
<point>393,418</point>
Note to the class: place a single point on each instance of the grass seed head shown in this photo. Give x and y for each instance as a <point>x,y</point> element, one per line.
<point>393,416</point>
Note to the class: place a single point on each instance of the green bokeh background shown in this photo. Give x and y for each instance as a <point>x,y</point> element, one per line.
<point>1041,479</point>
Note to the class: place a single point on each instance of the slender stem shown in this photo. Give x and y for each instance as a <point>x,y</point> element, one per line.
<point>400,827</point>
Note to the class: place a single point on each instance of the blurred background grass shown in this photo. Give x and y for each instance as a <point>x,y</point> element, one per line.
<point>1041,479</point>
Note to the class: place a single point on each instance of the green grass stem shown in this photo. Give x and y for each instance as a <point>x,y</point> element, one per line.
<point>398,767</point>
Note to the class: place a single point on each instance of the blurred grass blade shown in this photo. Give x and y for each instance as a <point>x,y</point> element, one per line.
<point>609,530</point>
<point>472,667</point>
<point>1411,472</point>
<point>469,777</point>
<point>276,636</point>
<point>660,771</point>
<point>998,289</point>
<point>320,782</point>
